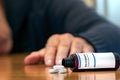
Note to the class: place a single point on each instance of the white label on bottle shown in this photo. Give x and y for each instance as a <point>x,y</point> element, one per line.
<point>95,60</point>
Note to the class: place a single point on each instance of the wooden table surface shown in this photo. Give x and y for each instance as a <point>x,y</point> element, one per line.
<point>13,68</point>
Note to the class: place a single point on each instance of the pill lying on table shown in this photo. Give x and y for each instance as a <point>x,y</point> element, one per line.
<point>53,71</point>
<point>62,71</point>
<point>58,69</point>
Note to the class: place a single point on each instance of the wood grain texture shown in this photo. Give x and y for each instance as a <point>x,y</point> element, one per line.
<point>12,68</point>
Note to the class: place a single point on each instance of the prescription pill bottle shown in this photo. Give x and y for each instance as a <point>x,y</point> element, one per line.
<point>92,61</point>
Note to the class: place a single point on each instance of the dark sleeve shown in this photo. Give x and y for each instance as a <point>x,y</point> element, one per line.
<point>75,17</point>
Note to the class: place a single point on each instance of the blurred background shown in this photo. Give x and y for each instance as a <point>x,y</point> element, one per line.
<point>106,8</point>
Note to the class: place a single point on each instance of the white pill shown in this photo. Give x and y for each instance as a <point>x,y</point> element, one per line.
<point>62,71</point>
<point>58,67</point>
<point>53,71</point>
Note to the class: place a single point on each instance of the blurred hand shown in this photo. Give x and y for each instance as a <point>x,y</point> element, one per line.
<point>5,32</point>
<point>5,39</point>
<point>57,48</point>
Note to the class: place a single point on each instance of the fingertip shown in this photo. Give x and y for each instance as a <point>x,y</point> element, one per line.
<point>32,59</point>
<point>49,62</point>
<point>27,60</point>
<point>59,62</point>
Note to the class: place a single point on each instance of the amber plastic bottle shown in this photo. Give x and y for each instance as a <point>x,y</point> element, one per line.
<point>92,61</point>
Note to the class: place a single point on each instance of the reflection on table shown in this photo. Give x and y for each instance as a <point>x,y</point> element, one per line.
<point>13,68</point>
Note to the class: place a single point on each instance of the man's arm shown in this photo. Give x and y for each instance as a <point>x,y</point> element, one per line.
<point>89,30</point>
<point>75,17</point>
<point>5,32</point>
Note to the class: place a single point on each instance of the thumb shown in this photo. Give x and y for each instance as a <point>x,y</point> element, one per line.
<point>35,57</point>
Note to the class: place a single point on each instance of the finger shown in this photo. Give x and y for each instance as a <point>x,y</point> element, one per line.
<point>76,46</point>
<point>35,57</point>
<point>4,39</point>
<point>63,48</point>
<point>51,48</point>
<point>88,48</point>
<point>5,45</point>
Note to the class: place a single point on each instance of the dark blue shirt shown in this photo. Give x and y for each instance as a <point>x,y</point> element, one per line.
<point>34,21</point>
